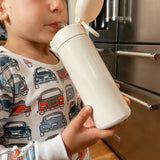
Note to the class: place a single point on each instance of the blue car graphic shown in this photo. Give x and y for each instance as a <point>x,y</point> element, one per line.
<point>42,75</point>
<point>69,92</point>
<point>6,103</point>
<point>15,84</point>
<point>6,62</point>
<point>52,122</point>
<point>16,130</point>
<point>2,123</point>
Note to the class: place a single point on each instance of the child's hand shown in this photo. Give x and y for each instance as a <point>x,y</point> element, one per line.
<point>82,133</point>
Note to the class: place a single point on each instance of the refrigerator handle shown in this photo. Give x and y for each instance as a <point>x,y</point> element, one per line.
<point>150,100</point>
<point>153,56</point>
<point>149,106</point>
<point>115,10</point>
<point>129,17</point>
<point>107,10</point>
<point>127,12</point>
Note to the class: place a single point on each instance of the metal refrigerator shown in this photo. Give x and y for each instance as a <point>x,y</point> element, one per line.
<point>129,44</point>
<point>130,47</point>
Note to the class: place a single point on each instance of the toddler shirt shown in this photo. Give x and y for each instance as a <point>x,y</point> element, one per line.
<point>37,102</point>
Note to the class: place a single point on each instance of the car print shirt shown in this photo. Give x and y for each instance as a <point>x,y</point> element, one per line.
<point>37,101</point>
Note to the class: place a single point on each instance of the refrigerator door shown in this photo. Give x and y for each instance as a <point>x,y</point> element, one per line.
<point>139,65</point>
<point>144,25</point>
<point>138,138</point>
<point>108,35</point>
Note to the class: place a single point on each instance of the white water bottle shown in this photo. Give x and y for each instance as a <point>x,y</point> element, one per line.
<point>88,71</point>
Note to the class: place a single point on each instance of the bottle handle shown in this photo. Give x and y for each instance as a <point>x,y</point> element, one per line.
<point>87,27</point>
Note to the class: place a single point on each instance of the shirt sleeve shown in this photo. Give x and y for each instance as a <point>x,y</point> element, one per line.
<point>51,149</point>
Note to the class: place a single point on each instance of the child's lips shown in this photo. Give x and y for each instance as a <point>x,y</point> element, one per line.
<point>57,26</point>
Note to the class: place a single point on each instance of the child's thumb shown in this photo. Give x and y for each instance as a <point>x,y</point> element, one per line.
<point>83,115</point>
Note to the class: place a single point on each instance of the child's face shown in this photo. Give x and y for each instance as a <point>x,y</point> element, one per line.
<point>35,20</point>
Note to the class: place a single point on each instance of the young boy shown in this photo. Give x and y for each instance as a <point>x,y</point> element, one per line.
<point>37,97</point>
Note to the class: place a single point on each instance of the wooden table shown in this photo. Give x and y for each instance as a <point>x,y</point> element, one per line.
<point>100,151</point>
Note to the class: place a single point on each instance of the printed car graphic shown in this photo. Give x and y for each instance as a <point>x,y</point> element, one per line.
<point>2,123</point>
<point>69,92</point>
<point>28,63</point>
<point>42,75</point>
<point>73,111</point>
<point>6,103</point>
<point>16,130</point>
<point>50,99</point>
<point>19,108</point>
<point>30,155</point>
<point>11,155</point>
<point>63,74</point>
<point>52,122</point>
<point>81,155</point>
<point>15,154</point>
<point>15,84</point>
<point>6,62</point>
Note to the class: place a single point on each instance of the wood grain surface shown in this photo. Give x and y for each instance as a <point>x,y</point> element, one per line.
<point>100,151</point>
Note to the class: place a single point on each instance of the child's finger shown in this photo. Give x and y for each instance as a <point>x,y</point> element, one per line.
<point>83,115</point>
<point>117,85</point>
<point>127,100</point>
<point>79,96</point>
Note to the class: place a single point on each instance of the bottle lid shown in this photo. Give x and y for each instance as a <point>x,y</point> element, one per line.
<point>86,11</point>
<point>66,34</point>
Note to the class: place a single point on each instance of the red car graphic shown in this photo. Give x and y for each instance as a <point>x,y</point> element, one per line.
<point>19,108</point>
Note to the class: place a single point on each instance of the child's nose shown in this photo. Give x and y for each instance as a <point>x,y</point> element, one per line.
<point>57,5</point>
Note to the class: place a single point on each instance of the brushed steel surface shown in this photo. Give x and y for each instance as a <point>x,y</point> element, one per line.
<point>145,24</point>
<point>148,99</point>
<point>139,71</point>
<point>139,136</point>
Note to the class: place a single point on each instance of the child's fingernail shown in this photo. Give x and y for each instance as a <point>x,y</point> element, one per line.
<point>87,108</point>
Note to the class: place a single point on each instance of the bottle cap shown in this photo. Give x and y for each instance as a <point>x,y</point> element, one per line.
<point>86,11</point>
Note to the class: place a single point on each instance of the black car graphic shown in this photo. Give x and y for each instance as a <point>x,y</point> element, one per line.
<point>42,75</point>
<point>16,130</point>
<point>73,110</point>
